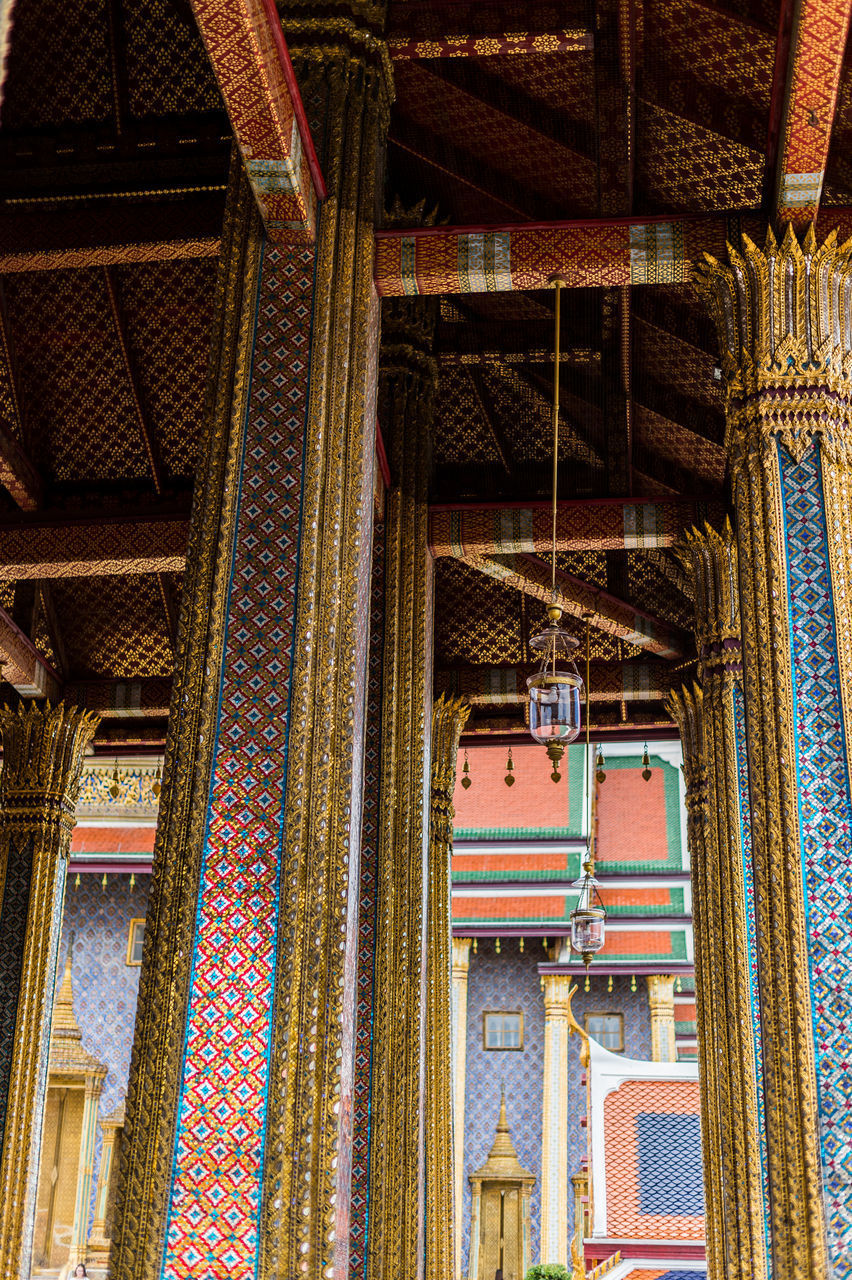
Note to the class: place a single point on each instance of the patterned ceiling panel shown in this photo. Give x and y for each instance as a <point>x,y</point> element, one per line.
<point>462,433</point>
<point>683,167</point>
<point>477,620</point>
<point>660,355</point>
<point>113,627</point>
<point>715,72</point>
<point>589,565</point>
<point>647,582</point>
<point>524,410</point>
<point>838,171</point>
<point>168,309</point>
<point>59,65</point>
<point>424,20</point>
<point>691,462</point>
<point>511,147</point>
<point>564,82</point>
<point>676,309</point>
<point>167,68</point>
<point>74,390</point>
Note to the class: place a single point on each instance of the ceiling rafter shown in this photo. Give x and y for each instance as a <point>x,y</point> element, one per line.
<point>56,547</point>
<point>486,407</point>
<point>18,475</point>
<point>631,680</point>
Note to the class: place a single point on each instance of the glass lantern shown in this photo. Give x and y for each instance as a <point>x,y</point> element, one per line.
<point>555,691</point>
<point>588,919</point>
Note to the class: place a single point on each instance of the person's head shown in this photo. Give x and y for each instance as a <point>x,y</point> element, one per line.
<point>80,1270</point>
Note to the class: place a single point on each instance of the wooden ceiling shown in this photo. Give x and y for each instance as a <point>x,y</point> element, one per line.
<point>114,145</point>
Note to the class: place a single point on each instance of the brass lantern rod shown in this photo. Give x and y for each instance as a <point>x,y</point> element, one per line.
<point>558,281</point>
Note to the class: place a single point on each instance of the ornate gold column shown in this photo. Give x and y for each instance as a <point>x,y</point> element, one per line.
<point>448,719</point>
<point>461,968</point>
<point>554,1119</point>
<point>661,1005</point>
<point>43,752</point>
<point>687,709</point>
<point>395,1246</point>
<point>239,1109</point>
<point>784,318</point>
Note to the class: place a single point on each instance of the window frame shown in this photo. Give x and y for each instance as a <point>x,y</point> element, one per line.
<point>605,1013</point>
<point>131,938</point>
<point>503,1013</point>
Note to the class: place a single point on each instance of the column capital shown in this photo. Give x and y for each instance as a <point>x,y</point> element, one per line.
<point>687,710</point>
<point>712,561</point>
<point>557,995</point>
<point>784,320</point>
<point>43,750</point>
<point>461,956</point>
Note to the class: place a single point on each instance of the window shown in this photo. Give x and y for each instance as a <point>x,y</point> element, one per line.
<point>503,1030</point>
<point>134,941</point>
<point>607,1029</point>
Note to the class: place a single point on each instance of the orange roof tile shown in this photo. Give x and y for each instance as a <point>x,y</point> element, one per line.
<point>631,817</point>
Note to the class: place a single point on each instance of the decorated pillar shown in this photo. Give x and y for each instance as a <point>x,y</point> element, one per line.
<point>237,1149</point>
<point>398,1188</point>
<point>43,751</point>
<point>461,969</point>
<point>661,1005</point>
<point>554,1119</point>
<point>784,318</point>
<point>448,719</point>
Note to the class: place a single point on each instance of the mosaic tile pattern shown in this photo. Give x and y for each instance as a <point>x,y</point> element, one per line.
<point>825,823</point>
<point>510,981</point>
<point>654,1173</point>
<point>362,1085</point>
<point>105,986</point>
<point>214,1199</point>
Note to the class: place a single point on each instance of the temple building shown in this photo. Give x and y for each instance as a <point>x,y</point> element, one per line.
<point>425,638</point>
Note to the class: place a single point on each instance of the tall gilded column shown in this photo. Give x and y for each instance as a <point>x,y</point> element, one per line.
<point>43,751</point>
<point>237,1144</point>
<point>554,1120</point>
<point>661,1006</point>
<point>461,969</point>
<point>448,719</point>
<point>784,318</point>
<point>395,1245</point>
<point>687,710</point>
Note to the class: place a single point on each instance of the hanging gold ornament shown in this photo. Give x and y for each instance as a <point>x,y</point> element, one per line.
<point>156,785</point>
<point>633,982</point>
<point>646,764</point>
<point>600,771</point>
<point>115,783</point>
<point>609,985</point>
<point>510,775</point>
<point>522,946</point>
<point>497,945</point>
<point>466,772</point>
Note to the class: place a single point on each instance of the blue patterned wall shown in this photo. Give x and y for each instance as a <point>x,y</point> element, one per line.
<point>511,981</point>
<point>105,986</point>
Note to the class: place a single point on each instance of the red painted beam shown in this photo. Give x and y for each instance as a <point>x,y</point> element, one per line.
<point>575,40</point>
<point>609,252</point>
<point>22,665</point>
<point>249,55</point>
<point>817,45</point>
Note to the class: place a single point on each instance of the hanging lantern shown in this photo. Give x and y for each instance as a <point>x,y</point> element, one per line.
<point>588,919</point>
<point>555,690</point>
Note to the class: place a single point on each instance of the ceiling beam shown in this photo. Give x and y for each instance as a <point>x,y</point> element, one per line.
<point>249,56</point>
<point>579,599</point>
<point>813,65</point>
<point>18,476</point>
<point>22,665</point>
<point>93,548</point>
<point>69,238</point>
<point>594,525</point>
<point>404,47</point>
<point>121,699</point>
<point>587,253</point>
<point>631,681</point>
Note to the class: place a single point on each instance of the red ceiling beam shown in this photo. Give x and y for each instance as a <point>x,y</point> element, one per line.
<point>607,524</point>
<point>600,252</point>
<point>631,681</point>
<point>250,59</point>
<point>814,61</point>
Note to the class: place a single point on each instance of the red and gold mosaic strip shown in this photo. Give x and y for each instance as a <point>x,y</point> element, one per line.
<point>249,55</point>
<point>816,60</point>
<point>577,40</point>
